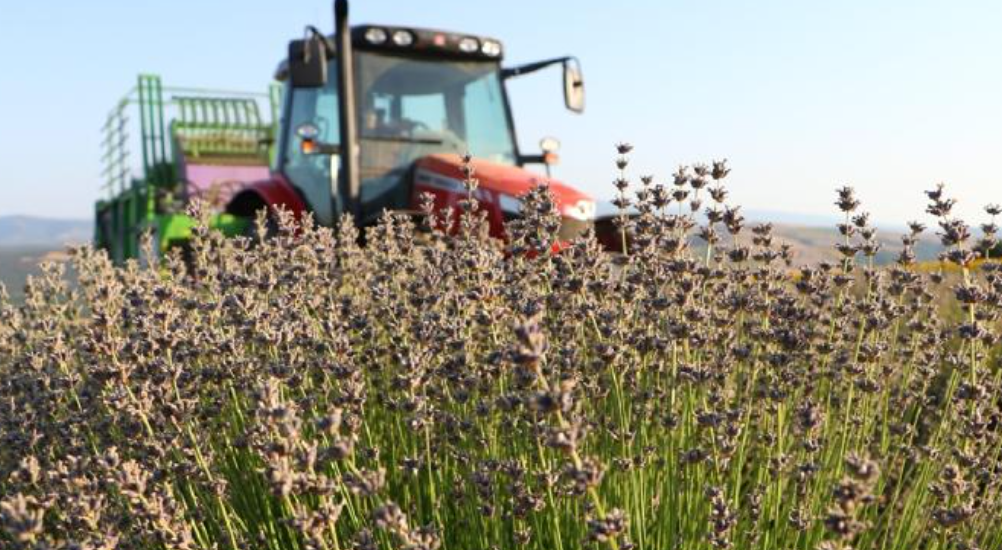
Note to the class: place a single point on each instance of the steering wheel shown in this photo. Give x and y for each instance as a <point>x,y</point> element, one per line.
<point>411,125</point>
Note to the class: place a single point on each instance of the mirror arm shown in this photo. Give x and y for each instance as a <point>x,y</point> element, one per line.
<point>529,68</point>
<point>320,148</point>
<point>549,159</point>
<point>532,159</point>
<point>314,32</point>
<point>328,149</point>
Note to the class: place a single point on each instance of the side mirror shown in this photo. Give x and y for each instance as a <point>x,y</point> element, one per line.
<point>308,63</point>
<point>308,133</point>
<point>574,93</point>
<point>573,79</point>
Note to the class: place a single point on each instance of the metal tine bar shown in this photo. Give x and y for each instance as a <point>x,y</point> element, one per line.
<point>246,111</point>
<point>220,117</point>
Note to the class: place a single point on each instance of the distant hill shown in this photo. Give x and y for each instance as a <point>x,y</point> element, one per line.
<point>790,218</point>
<point>33,231</point>
<point>25,241</point>
<point>812,244</point>
<point>18,262</point>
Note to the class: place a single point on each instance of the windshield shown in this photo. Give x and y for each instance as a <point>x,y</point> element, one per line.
<point>409,108</point>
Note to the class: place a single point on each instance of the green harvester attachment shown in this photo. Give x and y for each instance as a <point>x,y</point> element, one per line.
<point>194,145</point>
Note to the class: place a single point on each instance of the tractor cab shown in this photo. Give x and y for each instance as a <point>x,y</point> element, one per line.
<point>375,115</point>
<point>412,101</point>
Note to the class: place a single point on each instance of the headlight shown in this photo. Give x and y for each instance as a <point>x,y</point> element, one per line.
<point>403,38</point>
<point>375,35</point>
<point>583,210</point>
<point>491,48</point>
<point>468,45</point>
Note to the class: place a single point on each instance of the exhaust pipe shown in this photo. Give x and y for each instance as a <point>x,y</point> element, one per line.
<point>349,181</point>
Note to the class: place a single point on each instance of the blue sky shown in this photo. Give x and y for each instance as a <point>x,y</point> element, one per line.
<point>801,97</point>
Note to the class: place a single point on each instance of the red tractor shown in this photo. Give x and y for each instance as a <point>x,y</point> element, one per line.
<point>371,119</point>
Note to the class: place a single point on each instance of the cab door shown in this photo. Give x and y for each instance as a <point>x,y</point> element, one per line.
<point>314,175</point>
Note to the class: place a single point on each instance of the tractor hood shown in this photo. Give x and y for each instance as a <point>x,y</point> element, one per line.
<point>500,184</point>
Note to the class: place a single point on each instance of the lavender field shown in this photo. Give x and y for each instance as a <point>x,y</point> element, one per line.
<point>439,390</point>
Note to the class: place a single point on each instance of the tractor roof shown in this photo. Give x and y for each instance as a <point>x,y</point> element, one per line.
<point>417,42</point>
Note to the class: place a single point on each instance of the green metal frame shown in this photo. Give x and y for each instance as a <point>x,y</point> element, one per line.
<point>191,124</point>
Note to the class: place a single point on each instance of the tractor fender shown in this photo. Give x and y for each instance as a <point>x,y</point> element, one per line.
<point>271,193</point>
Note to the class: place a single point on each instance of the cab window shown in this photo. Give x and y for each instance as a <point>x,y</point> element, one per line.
<point>312,174</point>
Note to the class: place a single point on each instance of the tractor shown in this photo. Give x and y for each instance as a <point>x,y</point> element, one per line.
<point>366,120</point>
